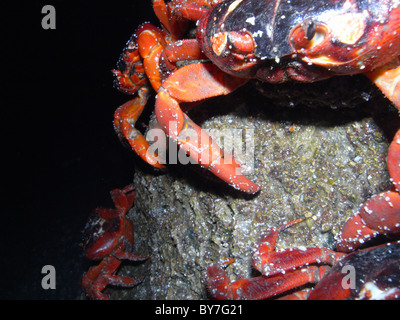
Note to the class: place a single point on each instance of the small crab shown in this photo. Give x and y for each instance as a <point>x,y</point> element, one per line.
<point>106,235</point>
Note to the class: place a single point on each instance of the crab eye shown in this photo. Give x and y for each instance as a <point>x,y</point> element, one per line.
<point>241,42</point>
<point>308,35</point>
<point>320,34</point>
<point>225,43</point>
<point>310,30</point>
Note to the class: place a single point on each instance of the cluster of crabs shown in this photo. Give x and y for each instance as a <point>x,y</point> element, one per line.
<point>272,41</point>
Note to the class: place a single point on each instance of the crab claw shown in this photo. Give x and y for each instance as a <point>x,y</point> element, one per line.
<point>379,215</point>
<point>393,161</point>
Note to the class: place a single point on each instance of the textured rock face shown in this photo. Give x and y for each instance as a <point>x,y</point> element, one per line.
<point>319,152</point>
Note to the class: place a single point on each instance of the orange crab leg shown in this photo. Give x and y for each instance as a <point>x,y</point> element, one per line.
<point>187,49</point>
<point>150,44</point>
<point>191,83</point>
<point>174,24</point>
<point>125,118</point>
<point>270,262</point>
<point>387,79</point>
<point>192,9</point>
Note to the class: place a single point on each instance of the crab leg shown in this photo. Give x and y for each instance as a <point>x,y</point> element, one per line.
<point>191,83</point>
<point>261,287</point>
<point>387,79</point>
<point>172,23</point>
<point>193,9</point>
<point>147,42</point>
<point>97,278</point>
<point>125,118</point>
<point>270,262</point>
<point>277,268</point>
<point>123,198</point>
<point>187,49</point>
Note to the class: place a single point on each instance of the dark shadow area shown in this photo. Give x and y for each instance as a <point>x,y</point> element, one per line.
<point>62,156</point>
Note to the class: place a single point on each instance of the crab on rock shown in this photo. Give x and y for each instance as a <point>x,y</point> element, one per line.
<point>237,40</point>
<point>273,41</point>
<point>106,235</point>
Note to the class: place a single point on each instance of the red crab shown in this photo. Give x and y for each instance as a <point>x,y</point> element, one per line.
<point>272,41</point>
<point>106,235</point>
<point>237,40</point>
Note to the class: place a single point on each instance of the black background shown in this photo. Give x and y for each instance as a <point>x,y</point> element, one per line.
<point>61,156</point>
